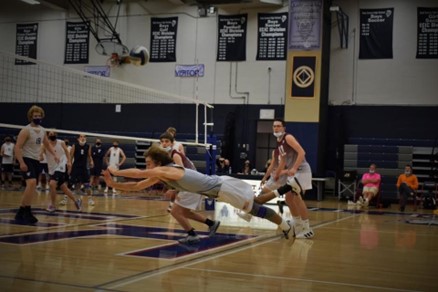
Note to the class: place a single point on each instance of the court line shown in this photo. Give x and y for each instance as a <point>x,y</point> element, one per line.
<point>160,271</point>
<point>303,280</point>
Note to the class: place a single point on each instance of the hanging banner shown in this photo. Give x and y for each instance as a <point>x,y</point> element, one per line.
<point>77,42</point>
<point>26,42</point>
<point>376,33</point>
<point>303,77</point>
<point>163,39</point>
<point>232,37</point>
<point>189,70</point>
<point>272,36</point>
<point>304,24</point>
<point>427,33</point>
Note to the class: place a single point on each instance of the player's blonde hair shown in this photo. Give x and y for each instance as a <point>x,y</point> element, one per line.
<point>35,109</point>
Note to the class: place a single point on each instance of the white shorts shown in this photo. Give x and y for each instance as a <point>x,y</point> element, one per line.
<point>373,190</point>
<point>304,178</point>
<point>237,193</point>
<point>188,200</point>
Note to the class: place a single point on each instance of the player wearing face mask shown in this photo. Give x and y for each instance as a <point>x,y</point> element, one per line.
<point>97,154</point>
<point>80,154</point>
<point>27,151</point>
<point>183,204</point>
<point>114,157</point>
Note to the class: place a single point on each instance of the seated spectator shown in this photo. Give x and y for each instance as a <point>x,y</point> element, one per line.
<point>407,184</point>
<point>371,183</point>
<point>221,168</point>
<point>246,169</point>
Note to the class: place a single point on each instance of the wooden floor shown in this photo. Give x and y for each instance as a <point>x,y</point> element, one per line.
<point>128,243</point>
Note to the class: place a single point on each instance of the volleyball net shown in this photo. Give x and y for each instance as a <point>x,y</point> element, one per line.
<point>29,81</point>
<point>25,80</point>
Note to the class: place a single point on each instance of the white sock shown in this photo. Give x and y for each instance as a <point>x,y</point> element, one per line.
<point>306,223</point>
<point>284,225</point>
<point>297,220</point>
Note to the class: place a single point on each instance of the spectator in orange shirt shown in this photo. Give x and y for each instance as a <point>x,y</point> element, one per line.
<point>407,184</point>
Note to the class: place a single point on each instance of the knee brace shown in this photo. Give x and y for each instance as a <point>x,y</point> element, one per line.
<point>262,211</point>
<point>282,190</point>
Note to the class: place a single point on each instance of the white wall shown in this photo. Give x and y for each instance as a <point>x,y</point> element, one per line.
<point>402,80</point>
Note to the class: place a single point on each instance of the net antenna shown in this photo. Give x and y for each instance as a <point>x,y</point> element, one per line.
<point>92,14</point>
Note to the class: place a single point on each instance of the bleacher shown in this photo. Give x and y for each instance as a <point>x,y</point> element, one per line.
<point>390,156</point>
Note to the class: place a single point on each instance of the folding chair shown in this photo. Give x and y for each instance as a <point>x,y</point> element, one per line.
<point>347,185</point>
<point>429,189</point>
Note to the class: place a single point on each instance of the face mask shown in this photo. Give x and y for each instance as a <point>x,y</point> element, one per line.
<point>8,140</point>
<point>37,121</point>
<point>82,143</point>
<point>98,144</point>
<point>115,146</point>
<point>407,172</point>
<point>168,148</point>
<point>371,171</point>
<point>278,135</point>
<point>52,137</point>
<point>66,143</point>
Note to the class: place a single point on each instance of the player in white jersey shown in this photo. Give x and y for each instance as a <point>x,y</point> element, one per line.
<point>27,151</point>
<point>58,171</point>
<point>160,168</point>
<point>186,202</point>
<point>114,157</point>
<point>176,145</point>
<point>7,153</point>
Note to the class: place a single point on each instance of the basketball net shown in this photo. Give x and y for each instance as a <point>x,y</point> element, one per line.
<point>115,60</point>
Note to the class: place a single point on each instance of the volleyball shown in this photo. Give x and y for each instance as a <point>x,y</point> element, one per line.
<point>139,56</point>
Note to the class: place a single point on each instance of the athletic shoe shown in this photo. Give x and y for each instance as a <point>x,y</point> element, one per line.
<point>296,187</point>
<point>189,239</point>
<point>366,203</point>
<point>90,202</point>
<point>361,200</point>
<point>24,215</point>
<point>106,190</point>
<point>286,232</point>
<point>63,202</point>
<point>245,216</point>
<point>305,233</point>
<point>78,204</point>
<point>351,203</point>
<point>51,209</point>
<point>212,229</point>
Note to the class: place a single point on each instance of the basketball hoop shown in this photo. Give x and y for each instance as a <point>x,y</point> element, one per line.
<point>108,47</point>
<point>114,60</point>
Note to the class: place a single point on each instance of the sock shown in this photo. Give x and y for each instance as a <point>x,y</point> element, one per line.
<point>298,221</point>
<point>283,225</point>
<point>306,223</point>
<point>209,222</point>
<point>192,232</point>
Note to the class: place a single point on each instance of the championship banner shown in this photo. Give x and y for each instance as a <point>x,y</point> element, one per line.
<point>427,33</point>
<point>232,37</point>
<point>26,42</point>
<point>303,77</point>
<point>272,36</point>
<point>77,42</point>
<point>189,70</point>
<point>376,33</point>
<point>305,24</point>
<point>163,39</point>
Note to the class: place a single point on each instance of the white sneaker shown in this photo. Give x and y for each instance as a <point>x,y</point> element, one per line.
<point>90,202</point>
<point>245,216</point>
<point>351,203</point>
<point>63,202</point>
<point>305,234</point>
<point>294,183</point>
<point>106,190</point>
<point>51,209</point>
